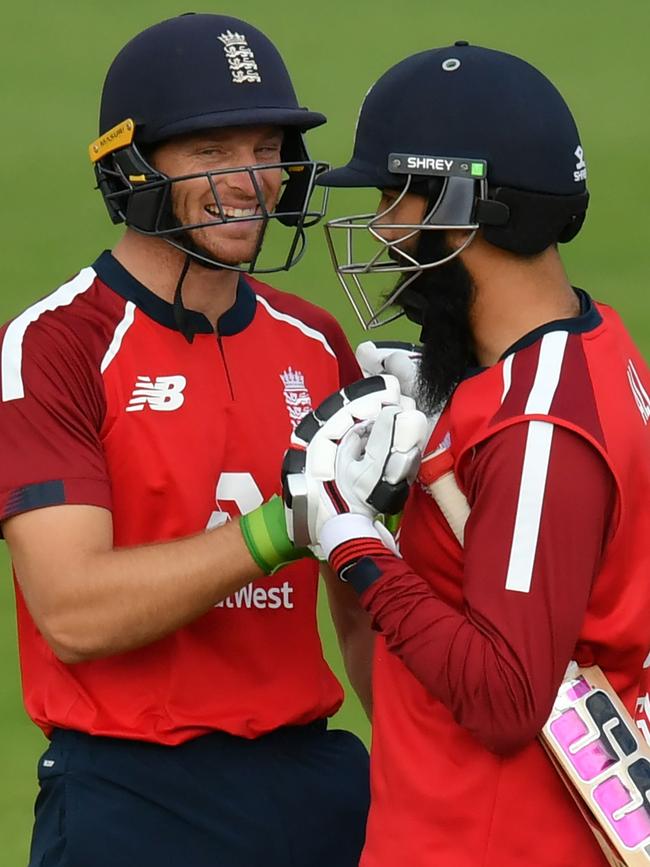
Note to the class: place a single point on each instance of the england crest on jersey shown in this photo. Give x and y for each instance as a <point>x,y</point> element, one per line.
<point>296,395</point>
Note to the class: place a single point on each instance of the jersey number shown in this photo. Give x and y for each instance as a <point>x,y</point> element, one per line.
<point>239,489</point>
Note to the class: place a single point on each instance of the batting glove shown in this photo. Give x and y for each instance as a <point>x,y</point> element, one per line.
<point>393,357</point>
<point>356,454</point>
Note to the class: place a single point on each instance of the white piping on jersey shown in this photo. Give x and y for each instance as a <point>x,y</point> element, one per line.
<point>529,506</point>
<point>549,365</point>
<point>536,460</point>
<point>639,393</point>
<point>297,323</point>
<point>118,336</point>
<point>11,359</point>
<point>507,376</point>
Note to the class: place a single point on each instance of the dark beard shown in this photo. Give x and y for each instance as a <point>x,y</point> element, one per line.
<point>440,300</point>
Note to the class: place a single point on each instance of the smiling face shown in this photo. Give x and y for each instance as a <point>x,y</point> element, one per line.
<point>193,201</point>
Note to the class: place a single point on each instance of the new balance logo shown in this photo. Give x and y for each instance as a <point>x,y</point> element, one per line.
<point>164,394</point>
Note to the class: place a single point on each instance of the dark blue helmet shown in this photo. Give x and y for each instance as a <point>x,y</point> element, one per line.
<point>191,73</point>
<point>484,136</point>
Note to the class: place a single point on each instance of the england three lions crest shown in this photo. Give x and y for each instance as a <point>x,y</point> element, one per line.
<point>240,57</point>
<point>296,395</point>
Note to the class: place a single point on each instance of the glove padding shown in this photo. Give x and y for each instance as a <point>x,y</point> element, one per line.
<point>357,452</point>
<point>394,357</point>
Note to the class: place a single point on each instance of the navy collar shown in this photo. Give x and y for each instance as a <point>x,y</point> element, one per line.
<point>235,319</point>
<point>588,319</point>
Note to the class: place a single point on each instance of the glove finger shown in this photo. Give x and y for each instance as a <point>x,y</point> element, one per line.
<point>380,439</point>
<point>407,403</point>
<point>402,466</point>
<point>411,429</point>
<point>386,386</point>
<point>367,407</point>
<point>352,445</point>
<point>337,425</point>
<point>305,430</point>
<point>338,413</point>
<point>329,406</point>
<point>321,458</point>
<point>367,472</point>
<point>399,364</point>
<point>413,350</point>
<point>369,358</point>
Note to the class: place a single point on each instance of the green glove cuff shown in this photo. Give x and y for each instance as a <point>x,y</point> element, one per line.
<point>392,522</point>
<point>265,534</point>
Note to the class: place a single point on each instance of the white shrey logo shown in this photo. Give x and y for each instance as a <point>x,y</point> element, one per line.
<point>296,395</point>
<point>638,392</point>
<point>580,173</point>
<point>240,57</point>
<point>164,394</point>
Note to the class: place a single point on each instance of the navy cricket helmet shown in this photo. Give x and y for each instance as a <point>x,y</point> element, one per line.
<point>187,74</point>
<point>485,138</point>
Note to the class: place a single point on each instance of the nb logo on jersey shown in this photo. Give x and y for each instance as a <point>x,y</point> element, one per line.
<point>162,394</point>
<point>638,392</point>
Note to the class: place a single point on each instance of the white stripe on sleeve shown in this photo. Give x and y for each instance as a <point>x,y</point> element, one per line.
<point>118,336</point>
<point>536,461</point>
<point>529,506</point>
<point>11,357</point>
<point>547,377</point>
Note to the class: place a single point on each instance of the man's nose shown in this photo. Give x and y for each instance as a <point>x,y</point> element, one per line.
<point>241,181</point>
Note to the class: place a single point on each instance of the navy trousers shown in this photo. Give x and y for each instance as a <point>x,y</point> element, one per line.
<point>297,797</point>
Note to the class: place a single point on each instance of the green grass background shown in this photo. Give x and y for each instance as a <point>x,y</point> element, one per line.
<point>52,63</point>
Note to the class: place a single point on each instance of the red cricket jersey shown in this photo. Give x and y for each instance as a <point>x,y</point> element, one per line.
<point>104,402</point>
<point>551,449</point>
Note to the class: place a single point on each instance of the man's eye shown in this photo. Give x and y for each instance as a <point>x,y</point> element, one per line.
<point>268,150</point>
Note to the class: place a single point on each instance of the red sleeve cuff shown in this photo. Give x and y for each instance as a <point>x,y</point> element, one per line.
<point>345,555</point>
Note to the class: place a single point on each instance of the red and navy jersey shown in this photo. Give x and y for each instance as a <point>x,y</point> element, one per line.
<point>104,402</point>
<point>552,451</point>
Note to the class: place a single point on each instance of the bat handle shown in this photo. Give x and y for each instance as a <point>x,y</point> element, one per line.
<point>452,503</point>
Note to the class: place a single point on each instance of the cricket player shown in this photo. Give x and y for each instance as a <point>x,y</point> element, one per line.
<point>145,405</point>
<point>539,400</point>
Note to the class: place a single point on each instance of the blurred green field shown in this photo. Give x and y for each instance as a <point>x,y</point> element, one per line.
<point>52,64</point>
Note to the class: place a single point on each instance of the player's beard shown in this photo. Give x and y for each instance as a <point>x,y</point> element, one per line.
<point>217,254</point>
<point>207,249</point>
<point>440,300</point>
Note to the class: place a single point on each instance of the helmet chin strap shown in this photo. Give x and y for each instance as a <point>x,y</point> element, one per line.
<point>180,311</point>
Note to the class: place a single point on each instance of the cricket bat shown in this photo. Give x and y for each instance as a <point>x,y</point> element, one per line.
<point>590,738</point>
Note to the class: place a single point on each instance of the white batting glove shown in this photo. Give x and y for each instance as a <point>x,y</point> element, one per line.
<point>393,357</point>
<point>357,453</point>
